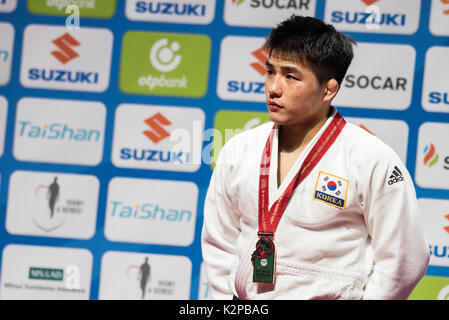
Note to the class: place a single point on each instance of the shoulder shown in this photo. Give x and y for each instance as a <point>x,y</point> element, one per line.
<point>365,146</point>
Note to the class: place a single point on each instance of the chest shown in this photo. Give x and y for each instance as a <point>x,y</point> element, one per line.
<point>286,160</point>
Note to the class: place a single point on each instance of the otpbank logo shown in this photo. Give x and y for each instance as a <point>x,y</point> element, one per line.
<point>8,5</point>
<point>6,51</point>
<point>374,16</point>
<point>54,58</point>
<point>158,137</point>
<point>432,159</point>
<point>143,211</point>
<point>173,11</point>
<point>384,83</point>
<point>89,8</point>
<point>170,64</point>
<point>143,276</point>
<point>435,219</point>
<point>228,123</point>
<point>439,18</point>
<point>52,204</point>
<point>393,132</point>
<point>59,131</point>
<point>241,73</point>
<point>435,96</point>
<point>265,13</point>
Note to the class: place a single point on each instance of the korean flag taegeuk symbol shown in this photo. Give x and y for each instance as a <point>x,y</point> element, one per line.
<point>331,190</point>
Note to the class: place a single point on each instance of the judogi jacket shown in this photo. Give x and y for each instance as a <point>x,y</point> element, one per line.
<point>351,229</point>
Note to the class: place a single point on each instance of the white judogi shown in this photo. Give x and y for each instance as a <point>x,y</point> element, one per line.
<point>359,237</point>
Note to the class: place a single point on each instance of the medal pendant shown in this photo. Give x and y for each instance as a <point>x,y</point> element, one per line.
<point>263,261</point>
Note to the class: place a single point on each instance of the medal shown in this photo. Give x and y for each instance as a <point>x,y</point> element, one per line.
<point>263,258</point>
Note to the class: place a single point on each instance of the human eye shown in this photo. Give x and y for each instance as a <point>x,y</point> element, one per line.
<point>292,77</point>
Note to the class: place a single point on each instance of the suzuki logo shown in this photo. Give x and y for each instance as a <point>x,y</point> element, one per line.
<point>65,43</point>
<point>366,129</point>
<point>447,10</point>
<point>158,133</point>
<point>447,227</point>
<point>262,56</point>
<point>369,2</point>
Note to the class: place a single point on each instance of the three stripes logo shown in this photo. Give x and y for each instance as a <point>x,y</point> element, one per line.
<point>262,57</point>
<point>396,176</point>
<point>430,157</point>
<point>158,133</point>
<point>66,53</point>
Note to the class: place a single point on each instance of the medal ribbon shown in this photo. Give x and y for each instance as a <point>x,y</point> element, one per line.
<point>269,219</point>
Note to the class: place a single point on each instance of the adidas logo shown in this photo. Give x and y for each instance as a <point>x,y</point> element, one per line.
<point>396,176</point>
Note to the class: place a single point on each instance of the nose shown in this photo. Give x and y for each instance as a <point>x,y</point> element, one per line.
<point>273,86</point>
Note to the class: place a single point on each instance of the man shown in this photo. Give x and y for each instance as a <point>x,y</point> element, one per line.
<point>309,206</point>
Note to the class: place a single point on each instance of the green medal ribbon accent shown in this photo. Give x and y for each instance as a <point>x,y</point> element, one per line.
<point>263,260</point>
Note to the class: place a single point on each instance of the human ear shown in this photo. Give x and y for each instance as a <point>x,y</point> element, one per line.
<point>330,90</point>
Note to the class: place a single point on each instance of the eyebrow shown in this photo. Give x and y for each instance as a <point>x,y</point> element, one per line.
<point>286,68</point>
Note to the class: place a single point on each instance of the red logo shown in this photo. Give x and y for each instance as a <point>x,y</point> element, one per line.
<point>66,53</point>
<point>262,56</point>
<point>445,2</point>
<point>369,2</point>
<point>158,133</point>
<point>366,129</point>
<point>446,228</point>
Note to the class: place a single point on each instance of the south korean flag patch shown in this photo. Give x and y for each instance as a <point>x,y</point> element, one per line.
<point>331,190</point>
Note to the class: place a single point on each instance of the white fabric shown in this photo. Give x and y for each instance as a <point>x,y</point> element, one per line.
<point>374,248</point>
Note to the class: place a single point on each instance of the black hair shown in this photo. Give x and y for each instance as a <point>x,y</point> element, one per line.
<point>318,45</point>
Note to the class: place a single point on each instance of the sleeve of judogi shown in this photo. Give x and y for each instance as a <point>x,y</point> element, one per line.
<point>401,252</point>
<point>221,227</point>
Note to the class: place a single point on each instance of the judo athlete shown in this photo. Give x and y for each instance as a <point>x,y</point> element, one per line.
<point>309,206</point>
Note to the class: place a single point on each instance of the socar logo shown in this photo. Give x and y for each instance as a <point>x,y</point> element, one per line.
<point>430,157</point>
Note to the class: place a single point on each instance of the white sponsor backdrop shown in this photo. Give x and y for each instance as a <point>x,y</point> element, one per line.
<point>102,191</point>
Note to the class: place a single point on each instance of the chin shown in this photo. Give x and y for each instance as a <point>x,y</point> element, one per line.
<point>277,118</point>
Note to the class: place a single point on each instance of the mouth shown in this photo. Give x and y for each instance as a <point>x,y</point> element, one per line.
<point>273,106</point>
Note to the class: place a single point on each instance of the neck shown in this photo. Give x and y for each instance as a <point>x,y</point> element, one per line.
<point>296,136</point>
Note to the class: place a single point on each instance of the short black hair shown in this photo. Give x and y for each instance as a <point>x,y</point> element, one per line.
<point>327,52</point>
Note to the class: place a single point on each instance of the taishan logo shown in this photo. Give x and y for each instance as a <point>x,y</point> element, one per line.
<point>238,2</point>
<point>57,131</point>
<point>157,132</point>
<point>66,53</point>
<point>431,157</point>
<point>262,57</point>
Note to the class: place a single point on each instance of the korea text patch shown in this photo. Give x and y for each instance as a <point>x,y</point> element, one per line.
<point>331,189</point>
